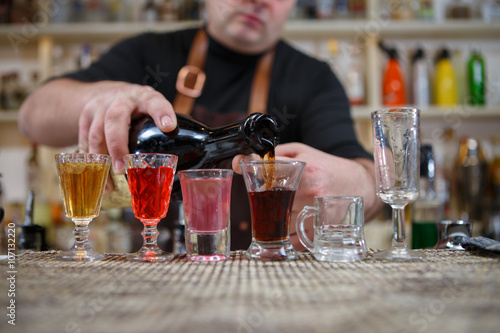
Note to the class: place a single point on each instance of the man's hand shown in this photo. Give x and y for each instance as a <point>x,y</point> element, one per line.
<point>96,116</point>
<point>105,119</point>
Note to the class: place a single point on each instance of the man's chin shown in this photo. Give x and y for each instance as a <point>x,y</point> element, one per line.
<point>244,33</point>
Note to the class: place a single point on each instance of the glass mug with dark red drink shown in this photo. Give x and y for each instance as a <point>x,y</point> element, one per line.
<point>271,187</point>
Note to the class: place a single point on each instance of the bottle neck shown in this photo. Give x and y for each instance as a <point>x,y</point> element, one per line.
<point>257,134</point>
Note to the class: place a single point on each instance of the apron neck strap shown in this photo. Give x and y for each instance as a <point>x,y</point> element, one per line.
<point>191,78</point>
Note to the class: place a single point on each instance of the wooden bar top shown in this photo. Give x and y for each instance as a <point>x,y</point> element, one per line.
<point>450,291</point>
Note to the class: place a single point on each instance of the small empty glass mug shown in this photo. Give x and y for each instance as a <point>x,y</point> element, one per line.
<point>452,234</point>
<point>338,228</point>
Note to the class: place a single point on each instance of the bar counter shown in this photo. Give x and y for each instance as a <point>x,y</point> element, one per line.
<point>450,291</point>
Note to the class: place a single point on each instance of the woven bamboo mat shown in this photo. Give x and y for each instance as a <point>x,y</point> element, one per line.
<point>451,291</point>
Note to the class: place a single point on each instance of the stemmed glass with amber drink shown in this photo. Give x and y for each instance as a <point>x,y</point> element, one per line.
<point>150,180</point>
<point>82,178</point>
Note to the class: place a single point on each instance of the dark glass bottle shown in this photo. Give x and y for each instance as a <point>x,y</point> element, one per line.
<point>199,146</point>
<point>32,236</point>
<point>427,210</point>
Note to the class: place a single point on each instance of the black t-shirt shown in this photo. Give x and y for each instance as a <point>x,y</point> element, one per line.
<point>305,97</point>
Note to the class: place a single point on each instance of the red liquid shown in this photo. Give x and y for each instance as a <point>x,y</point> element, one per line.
<point>150,189</point>
<point>271,213</point>
<point>206,204</point>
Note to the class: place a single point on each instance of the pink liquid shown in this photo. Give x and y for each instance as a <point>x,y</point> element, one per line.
<point>206,204</point>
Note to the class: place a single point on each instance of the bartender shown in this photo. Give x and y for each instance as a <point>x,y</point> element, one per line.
<point>247,68</point>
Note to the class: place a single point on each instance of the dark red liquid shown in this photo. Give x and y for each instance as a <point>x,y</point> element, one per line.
<point>150,189</point>
<point>271,212</point>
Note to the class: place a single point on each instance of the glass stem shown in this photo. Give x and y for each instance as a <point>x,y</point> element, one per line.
<point>150,235</point>
<point>398,220</point>
<point>81,233</point>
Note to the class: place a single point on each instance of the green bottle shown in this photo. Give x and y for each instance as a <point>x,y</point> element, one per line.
<point>477,80</point>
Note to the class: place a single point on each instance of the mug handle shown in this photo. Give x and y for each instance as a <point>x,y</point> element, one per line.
<point>305,213</point>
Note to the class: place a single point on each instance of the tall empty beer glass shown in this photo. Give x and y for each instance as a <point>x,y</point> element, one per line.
<point>396,150</point>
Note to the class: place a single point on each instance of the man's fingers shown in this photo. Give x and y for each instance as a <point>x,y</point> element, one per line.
<point>90,125</point>
<point>290,150</point>
<point>153,103</point>
<point>243,158</point>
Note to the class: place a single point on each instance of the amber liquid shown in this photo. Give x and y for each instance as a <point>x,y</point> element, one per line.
<point>82,186</point>
<point>271,212</point>
<point>268,170</point>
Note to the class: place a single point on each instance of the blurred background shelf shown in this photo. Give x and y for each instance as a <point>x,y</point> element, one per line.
<point>458,29</point>
<point>439,112</point>
<point>8,116</point>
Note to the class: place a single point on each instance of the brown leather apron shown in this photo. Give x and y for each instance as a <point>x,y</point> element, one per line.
<point>189,85</point>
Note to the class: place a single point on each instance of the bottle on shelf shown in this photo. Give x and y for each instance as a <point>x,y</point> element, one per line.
<point>96,11</point>
<point>471,180</point>
<point>445,85</point>
<point>355,79</point>
<point>77,11</point>
<point>325,9</point>
<point>357,8</point>
<point>169,11</point>
<point>60,14</point>
<point>115,11</point>
<point>402,10</point>
<point>393,85</point>
<point>420,79</point>
<point>85,57</point>
<point>477,80</point>
<point>427,210</point>
<point>494,176</point>
<point>32,236</point>
<point>34,82</point>
<point>190,10</point>
<point>458,10</point>
<point>58,66</point>
<point>446,182</point>
<point>13,93</point>
<point>150,12</point>
<point>342,9</point>
<point>426,10</point>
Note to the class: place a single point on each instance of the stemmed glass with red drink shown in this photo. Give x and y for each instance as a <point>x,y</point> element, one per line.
<point>150,180</point>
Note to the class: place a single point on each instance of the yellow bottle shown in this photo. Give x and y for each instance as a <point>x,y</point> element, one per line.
<point>445,86</point>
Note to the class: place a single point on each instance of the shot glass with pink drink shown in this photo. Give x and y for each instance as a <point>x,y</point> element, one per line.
<point>207,196</point>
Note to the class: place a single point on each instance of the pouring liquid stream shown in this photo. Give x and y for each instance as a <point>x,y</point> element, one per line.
<point>268,170</point>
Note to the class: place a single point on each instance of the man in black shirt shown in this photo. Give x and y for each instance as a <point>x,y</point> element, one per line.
<point>138,76</point>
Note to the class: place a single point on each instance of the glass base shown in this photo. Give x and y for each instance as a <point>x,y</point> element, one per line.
<point>207,247</point>
<point>85,256</point>
<point>271,251</point>
<point>208,258</point>
<point>150,255</point>
<point>399,255</point>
